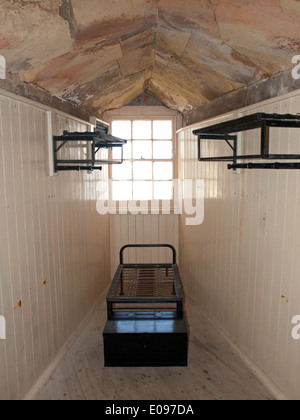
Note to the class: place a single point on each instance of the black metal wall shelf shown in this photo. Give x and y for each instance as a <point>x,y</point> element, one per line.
<point>94,141</point>
<point>227,131</point>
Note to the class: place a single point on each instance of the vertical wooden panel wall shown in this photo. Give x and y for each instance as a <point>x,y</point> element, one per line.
<point>143,229</point>
<point>243,263</point>
<point>54,247</point>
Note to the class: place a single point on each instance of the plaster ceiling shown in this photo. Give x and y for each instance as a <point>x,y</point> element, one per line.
<point>102,54</point>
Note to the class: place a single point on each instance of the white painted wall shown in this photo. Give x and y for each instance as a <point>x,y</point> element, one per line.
<point>143,229</point>
<point>242,265</point>
<point>54,247</point>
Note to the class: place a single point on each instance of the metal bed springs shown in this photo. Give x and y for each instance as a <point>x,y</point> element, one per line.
<point>147,291</point>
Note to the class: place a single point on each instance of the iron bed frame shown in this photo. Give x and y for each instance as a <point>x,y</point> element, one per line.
<point>145,291</point>
<point>146,323</point>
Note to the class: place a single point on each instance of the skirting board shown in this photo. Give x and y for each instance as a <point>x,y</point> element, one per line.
<point>255,370</point>
<point>46,375</point>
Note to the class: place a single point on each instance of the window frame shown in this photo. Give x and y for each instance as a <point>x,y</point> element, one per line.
<point>148,114</point>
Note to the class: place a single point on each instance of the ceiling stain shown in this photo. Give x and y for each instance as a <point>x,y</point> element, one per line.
<point>103,55</point>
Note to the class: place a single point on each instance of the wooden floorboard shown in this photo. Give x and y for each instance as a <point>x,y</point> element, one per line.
<point>214,372</point>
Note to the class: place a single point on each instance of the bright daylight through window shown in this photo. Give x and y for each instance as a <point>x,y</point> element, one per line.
<point>147,172</point>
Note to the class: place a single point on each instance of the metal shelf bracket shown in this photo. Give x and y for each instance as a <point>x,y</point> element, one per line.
<point>227,131</point>
<point>93,142</point>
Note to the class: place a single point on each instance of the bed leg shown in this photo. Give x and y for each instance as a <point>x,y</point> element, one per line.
<point>122,284</point>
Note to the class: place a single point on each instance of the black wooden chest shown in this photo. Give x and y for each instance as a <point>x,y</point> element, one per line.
<point>157,342</point>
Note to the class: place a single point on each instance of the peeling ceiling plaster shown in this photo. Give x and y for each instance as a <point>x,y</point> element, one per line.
<point>103,54</point>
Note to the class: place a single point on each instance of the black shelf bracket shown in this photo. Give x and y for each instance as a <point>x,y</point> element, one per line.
<point>226,138</point>
<point>227,131</point>
<point>93,142</point>
<point>275,165</point>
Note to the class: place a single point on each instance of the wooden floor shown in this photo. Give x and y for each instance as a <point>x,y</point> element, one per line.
<point>214,372</point>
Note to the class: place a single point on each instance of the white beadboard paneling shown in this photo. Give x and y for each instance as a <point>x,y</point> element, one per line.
<point>242,264</point>
<point>143,229</point>
<point>54,248</point>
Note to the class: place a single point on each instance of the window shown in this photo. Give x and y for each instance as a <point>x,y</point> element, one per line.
<point>148,169</point>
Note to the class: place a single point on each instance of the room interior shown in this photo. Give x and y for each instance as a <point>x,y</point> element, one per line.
<point>138,63</point>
